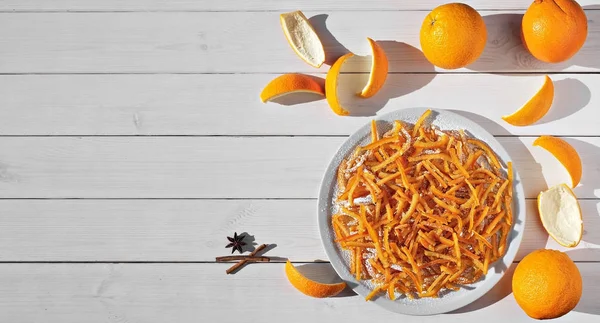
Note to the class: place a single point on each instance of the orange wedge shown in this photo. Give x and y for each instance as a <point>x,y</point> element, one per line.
<point>561,215</point>
<point>379,71</point>
<point>311,287</point>
<point>301,35</point>
<point>331,85</point>
<point>565,153</point>
<point>535,108</point>
<point>291,83</point>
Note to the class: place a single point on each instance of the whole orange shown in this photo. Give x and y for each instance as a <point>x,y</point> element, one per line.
<point>554,30</point>
<point>547,284</point>
<point>453,35</point>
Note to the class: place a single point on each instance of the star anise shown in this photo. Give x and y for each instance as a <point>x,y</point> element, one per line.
<point>236,243</point>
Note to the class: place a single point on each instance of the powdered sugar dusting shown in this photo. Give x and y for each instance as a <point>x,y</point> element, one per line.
<point>340,259</point>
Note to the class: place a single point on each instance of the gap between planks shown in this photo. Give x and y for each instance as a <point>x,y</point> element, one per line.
<point>75,11</point>
<point>202,198</point>
<point>315,73</point>
<point>278,262</point>
<point>254,136</point>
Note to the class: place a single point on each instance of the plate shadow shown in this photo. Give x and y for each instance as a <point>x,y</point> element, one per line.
<point>502,289</point>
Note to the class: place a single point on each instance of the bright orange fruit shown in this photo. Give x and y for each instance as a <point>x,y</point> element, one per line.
<point>311,287</point>
<point>566,155</point>
<point>453,35</point>
<point>535,108</point>
<point>547,284</point>
<point>554,30</point>
<point>291,83</point>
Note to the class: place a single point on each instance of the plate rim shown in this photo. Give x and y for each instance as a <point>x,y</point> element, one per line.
<point>323,219</point>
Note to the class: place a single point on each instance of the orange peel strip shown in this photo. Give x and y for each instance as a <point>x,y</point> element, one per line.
<point>290,83</point>
<point>535,108</point>
<point>566,155</point>
<point>331,85</point>
<point>379,71</point>
<point>310,287</point>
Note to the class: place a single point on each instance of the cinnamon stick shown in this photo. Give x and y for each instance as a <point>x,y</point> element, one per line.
<point>243,262</point>
<point>243,257</point>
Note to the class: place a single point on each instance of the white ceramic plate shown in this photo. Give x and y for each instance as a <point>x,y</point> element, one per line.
<point>340,259</point>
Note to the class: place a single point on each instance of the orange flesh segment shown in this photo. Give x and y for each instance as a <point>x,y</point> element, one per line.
<point>565,153</point>
<point>331,85</point>
<point>379,71</point>
<point>311,287</point>
<point>291,83</point>
<point>535,108</point>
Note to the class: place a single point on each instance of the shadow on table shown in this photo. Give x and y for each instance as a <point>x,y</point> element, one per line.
<point>250,242</point>
<point>333,48</point>
<point>587,304</point>
<point>324,273</point>
<point>504,50</point>
<point>502,289</point>
<point>251,245</point>
<point>526,164</point>
<point>590,179</point>
<point>570,96</point>
<point>352,81</point>
<point>354,73</point>
<point>589,297</point>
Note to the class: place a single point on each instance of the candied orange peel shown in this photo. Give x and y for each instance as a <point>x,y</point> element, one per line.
<point>421,210</point>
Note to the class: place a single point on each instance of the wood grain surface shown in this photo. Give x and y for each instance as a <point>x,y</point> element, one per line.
<point>222,167</point>
<point>133,142</point>
<point>249,42</point>
<point>196,230</point>
<point>253,5</point>
<point>229,104</point>
<point>258,293</point>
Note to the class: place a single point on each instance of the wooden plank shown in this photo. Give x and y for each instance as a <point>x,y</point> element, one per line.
<point>161,292</point>
<point>195,230</point>
<point>204,104</point>
<point>219,167</point>
<point>246,42</point>
<point>241,5</point>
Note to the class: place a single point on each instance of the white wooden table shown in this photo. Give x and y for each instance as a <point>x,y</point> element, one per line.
<point>132,142</point>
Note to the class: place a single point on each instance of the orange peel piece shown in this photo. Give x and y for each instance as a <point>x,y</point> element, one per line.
<point>565,153</point>
<point>291,83</point>
<point>331,85</point>
<point>379,71</point>
<point>302,37</point>
<point>535,108</point>
<point>310,287</point>
<point>560,214</point>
